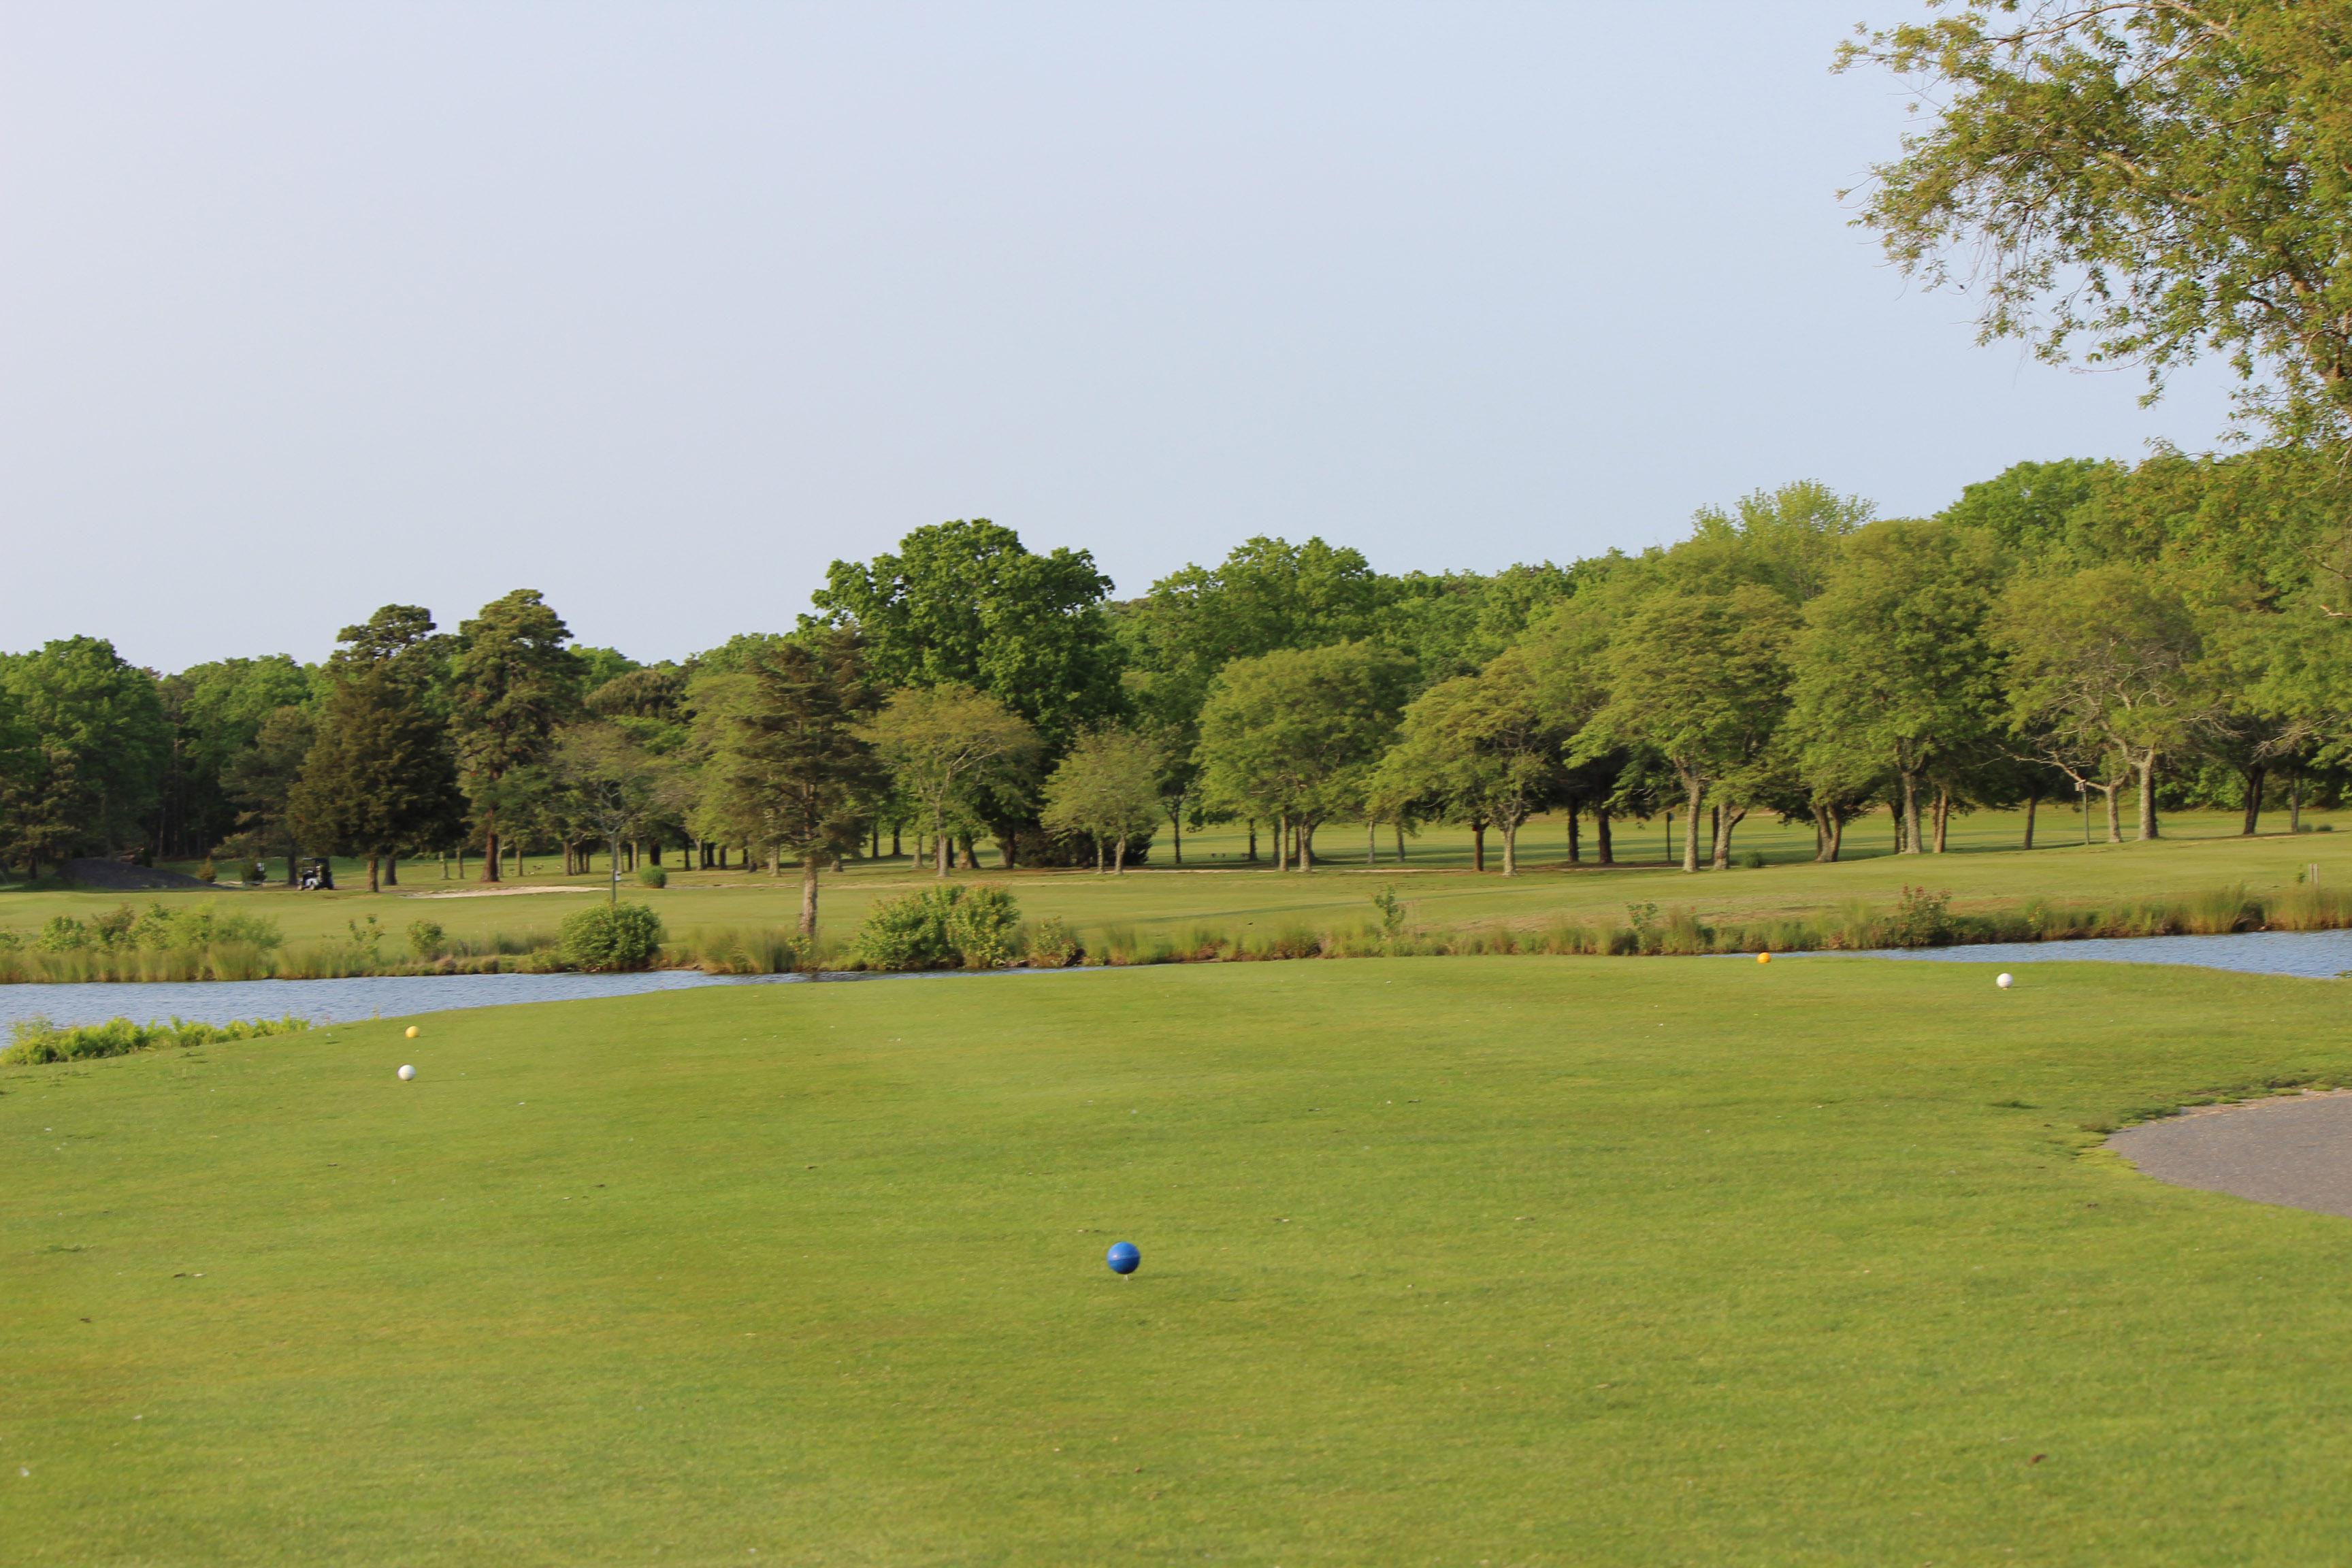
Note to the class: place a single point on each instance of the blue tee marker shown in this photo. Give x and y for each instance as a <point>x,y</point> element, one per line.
<point>1123,1259</point>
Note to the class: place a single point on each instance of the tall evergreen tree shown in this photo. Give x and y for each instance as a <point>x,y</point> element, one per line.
<point>788,762</point>
<point>380,776</point>
<point>511,684</point>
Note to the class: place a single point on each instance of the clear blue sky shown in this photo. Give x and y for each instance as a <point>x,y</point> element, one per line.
<point>658,307</point>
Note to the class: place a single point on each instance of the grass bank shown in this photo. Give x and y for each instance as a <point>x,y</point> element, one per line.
<point>1387,926</point>
<point>1512,1259</point>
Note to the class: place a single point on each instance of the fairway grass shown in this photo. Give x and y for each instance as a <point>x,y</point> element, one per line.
<point>1496,1261</point>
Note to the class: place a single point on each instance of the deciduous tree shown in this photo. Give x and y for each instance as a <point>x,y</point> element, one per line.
<point>1700,679</point>
<point>1292,737</point>
<point>2101,661</point>
<point>1894,668</point>
<point>2157,179</point>
<point>959,755</point>
<point>1106,788</point>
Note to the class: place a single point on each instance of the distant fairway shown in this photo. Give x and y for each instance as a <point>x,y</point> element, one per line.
<point>2202,854</point>
<point>1455,1260</point>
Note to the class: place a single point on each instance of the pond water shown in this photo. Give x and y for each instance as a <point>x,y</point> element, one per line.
<point>335,1000</point>
<point>2321,954</point>
<point>2314,954</point>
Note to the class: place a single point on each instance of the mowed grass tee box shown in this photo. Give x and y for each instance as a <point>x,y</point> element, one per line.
<point>1522,1259</point>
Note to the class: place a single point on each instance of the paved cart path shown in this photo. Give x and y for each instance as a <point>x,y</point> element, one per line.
<point>2296,1151</point>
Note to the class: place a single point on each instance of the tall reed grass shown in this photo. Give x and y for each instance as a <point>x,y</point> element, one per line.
<point>1918,918</point>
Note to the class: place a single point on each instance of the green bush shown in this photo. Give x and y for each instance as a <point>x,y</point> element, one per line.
<point>606,938</point>
<point>909,933</point>
<point>941,927</point>
<point>1922,918</point>
<point>208,872</point>
<point>426,939</point>
<point>1052,945</point>
<point>983,927</point>
<point>63,933</point>
<point>652,877</point>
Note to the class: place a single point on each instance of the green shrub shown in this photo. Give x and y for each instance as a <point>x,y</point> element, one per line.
<point>1922,918</point>
<point>606,938</point>
<point>1052,945</point>
<point>63,933</point>
<point>208,872</point>
<point>652,877</point>
<point>426,939</point>
<point>1753,859</point>
<point>983,927</point>
<point>940,928</point>
<point>909,933</point>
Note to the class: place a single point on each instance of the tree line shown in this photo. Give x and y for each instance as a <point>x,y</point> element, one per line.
<point>2166,634</point>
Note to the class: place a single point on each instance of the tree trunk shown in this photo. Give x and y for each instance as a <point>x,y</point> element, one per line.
<point>391,869</point>
<point>2032,800</point>
<point>1908,830</point>
<point>1371,845</point>
<point>1821,832</point>
<point>1719,823</point>
<point>894,841</point>
<point>2148,827</point>
<point>2294,803</point>
<point>1837,835</point>
<point>1695,788</point>
<point>1575,854</point>
<point>1252,842</point>
<point>1510,847</point>
<point>1281,843</point>
<point>1099,855</point>
<point>2115,812</point>
<point>1943,815</point>
<point>808,896</point>
<point>1400,841</point>
<point>373,886</point>
<point>493,852</point>
<point>612,882</point>
<point>2253,800</point>
<point>1478,844</point>
<point>1119,857</point>
<point>1603,851</point>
